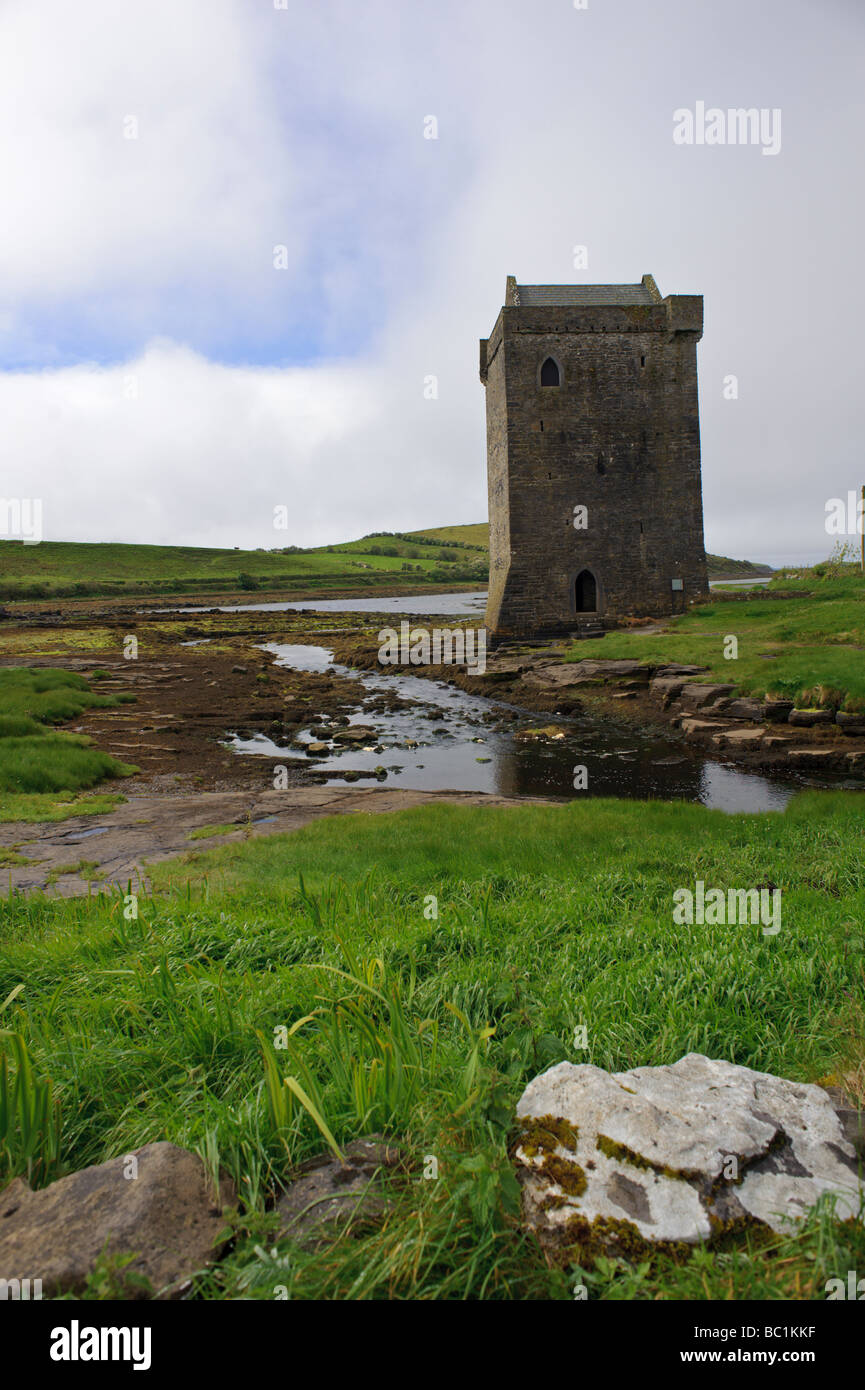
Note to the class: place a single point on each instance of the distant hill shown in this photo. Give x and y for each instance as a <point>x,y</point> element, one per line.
<point>437,555</point>
<point>477,537</point>
<point>79,569</point>
<point>721,567</point>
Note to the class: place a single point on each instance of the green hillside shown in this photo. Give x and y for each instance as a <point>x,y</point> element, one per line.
<point>438,555</point>
<point>476,537</point>
<point>70,569</point>
<point>722,567</point>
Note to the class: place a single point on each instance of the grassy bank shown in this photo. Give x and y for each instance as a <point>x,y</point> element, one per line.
<point>479,942</point>
<point>807,646</point>
<point>40,767</point>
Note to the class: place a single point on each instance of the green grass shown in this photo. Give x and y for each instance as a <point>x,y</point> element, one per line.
<point>85,868</point>
<point>422,997</point>
<point>476,535</point>
<point>42,806</point>
<point>11,856</point>
<point>786,646</point>
<point>53,762</point>
<point>70,569</point>
<point>37,760</point>
<point>207,832</point>
<point>439,555</point>
<point>49,695</point>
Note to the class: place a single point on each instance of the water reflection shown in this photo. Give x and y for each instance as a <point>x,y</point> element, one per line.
<point>466,743</point>
<point>449,605</point>
<point>466,604</point>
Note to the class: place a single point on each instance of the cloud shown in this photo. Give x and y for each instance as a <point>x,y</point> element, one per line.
<point>126,146</point>
<point>170,448</point>
<point>152,258</point>
<point>156,156</point>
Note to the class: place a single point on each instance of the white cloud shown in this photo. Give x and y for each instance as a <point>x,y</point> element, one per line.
<point>304,127</point>
<point>172,448</point>
<point>202,189</point>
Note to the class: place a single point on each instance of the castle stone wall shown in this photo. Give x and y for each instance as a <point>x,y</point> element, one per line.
<point>619,436</point>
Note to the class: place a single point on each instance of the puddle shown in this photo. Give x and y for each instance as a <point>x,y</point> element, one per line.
<point>742,583</point>
<point>303,658</point>
<point>466,743</point>
<point>85,834</point>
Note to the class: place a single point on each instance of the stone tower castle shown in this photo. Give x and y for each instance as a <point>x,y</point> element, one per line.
<point>593,456</point>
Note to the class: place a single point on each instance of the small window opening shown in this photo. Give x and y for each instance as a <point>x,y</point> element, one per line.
<point>550,373</point>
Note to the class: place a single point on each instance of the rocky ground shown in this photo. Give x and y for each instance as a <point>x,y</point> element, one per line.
<point>196,680</point>
<point>201,677</point>
<point>768,734</point>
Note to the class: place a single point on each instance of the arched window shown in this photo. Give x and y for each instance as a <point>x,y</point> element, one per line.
<point>586,592</point>
<point>550,373</point>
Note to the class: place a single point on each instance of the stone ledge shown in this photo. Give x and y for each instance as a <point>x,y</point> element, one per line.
<point>739,738</point>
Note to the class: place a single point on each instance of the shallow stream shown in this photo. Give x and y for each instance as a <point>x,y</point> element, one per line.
<point>441,738</point>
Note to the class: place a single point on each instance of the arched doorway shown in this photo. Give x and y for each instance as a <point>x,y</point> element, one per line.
<point>586,592</point>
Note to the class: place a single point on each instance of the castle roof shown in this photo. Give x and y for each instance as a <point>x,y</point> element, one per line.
<point>581,296</point>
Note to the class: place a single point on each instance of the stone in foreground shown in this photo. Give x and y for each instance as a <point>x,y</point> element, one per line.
<point>739,738</point>
<point>327,1194</point>
<point>168,1216</point>
<point>695,695</point>
<point>694,728</point>
<point>675,1153</point>
<point>744,709</point>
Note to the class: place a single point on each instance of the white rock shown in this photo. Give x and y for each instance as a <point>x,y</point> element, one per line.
<point>680,1151</point>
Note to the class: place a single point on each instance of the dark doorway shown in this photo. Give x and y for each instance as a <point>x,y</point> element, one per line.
<point>586,592</point>
<point>550,373</point>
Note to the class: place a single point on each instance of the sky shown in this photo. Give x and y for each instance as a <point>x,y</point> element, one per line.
<point>232,256</point>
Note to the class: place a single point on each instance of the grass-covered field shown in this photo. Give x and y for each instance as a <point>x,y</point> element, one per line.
<point>809,648</point>
<point>57,569</point>
<point>38,764</point>
<point>441,555</point>
<point>423,994</point>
